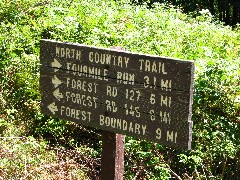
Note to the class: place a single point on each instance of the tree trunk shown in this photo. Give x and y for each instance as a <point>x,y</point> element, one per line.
<point>236,14</point>
<point>227,13</point>
<point>211,5</point>
<point>220,10</point>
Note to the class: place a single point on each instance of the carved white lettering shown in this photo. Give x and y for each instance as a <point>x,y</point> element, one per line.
<point>159,133</point>
<point>171,136</point>
<point>111,91</point>
<point>137,128</point>
<point>130,128</point>
<point>166,85</point>
<point>125,78</point>
<point>69,53</point>
<point>152,66</point>
<point>166,101</point>
<point>111,106</point>
<point>109,59</point>
<point>133,95</point>
<point>165,117</point>
<point>105,73</point>
<point>132,110</point>
<point>81,99</point>
<point>87,71</point>
<point>82,85</point>
<point>147,66</point>
<point>123,125</point>
<point>76,113</point>
<point>152,115</point>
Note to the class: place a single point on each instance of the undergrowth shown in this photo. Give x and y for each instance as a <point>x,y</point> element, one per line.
<point>37,146</point>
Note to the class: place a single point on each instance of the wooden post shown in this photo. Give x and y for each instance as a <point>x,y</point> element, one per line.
<point>112,160</point>
<point>112,165</point>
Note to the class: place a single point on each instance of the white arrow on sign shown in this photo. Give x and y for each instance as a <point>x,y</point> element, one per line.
<point>56,64</point>
<point>57,94</point>
<point>56,81</point>
<point>53,108</point>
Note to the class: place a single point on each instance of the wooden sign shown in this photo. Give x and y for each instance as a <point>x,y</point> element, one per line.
<point>143,96</point>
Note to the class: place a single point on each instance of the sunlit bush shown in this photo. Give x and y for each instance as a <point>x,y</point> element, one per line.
<point>161,30</point>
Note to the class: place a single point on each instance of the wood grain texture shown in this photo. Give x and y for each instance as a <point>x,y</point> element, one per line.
<point>144,96</point>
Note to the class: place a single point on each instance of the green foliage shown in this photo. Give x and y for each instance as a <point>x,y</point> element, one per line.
<point>144,160</point>
<point>217,116</point>
<point>26,158</point>
<point>163,31</point>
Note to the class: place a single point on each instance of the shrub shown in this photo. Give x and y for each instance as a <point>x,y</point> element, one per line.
<point>161,30</point>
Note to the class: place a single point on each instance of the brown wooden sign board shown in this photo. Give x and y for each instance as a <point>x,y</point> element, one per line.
<point>143,96</point>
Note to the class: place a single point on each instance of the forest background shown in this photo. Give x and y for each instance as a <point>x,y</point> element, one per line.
<point>36,146</point>
<point>227,11</point>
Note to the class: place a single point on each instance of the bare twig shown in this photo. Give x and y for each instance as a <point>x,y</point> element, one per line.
<point>224,167</point>
<point>12,137</point>
<point>50,166</point>
<point>36,6</point>
<point>173,173</point>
